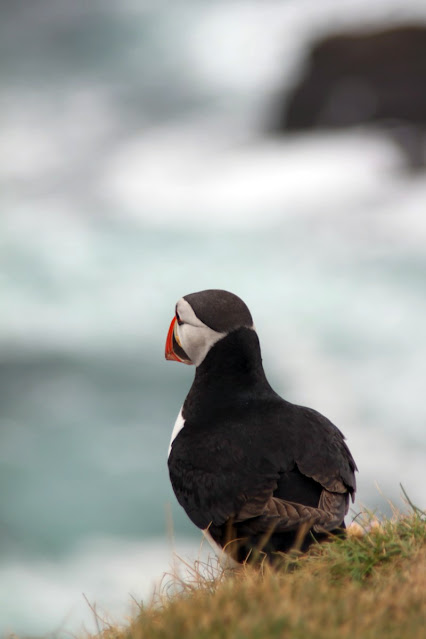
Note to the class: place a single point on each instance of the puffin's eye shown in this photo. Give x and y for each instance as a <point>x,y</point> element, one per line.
<point>179,321</point>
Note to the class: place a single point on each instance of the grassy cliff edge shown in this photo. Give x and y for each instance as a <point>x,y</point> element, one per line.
<point>370,584</point>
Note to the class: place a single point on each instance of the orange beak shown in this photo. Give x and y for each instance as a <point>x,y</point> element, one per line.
<point>174,350</point>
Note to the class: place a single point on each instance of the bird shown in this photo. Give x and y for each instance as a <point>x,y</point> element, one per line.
<point>257,473</point>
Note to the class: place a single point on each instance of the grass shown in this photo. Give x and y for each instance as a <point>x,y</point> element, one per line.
<point>369,585</point>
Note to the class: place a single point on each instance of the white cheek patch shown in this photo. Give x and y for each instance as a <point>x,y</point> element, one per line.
<point>186,313</point>
<point>196,338</point>
<point>179,424</point>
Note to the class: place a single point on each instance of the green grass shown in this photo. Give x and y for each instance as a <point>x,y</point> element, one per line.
<point>369,586</point>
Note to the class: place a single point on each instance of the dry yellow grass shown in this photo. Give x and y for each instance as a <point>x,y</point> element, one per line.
<point>370,587</point>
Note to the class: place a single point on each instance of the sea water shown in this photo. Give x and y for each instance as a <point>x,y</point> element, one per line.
<point>136,172</point>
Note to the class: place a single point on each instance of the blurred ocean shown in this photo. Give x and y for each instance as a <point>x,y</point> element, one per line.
<point>134,170</point>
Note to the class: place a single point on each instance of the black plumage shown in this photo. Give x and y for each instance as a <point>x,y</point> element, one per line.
<point>247,464</point>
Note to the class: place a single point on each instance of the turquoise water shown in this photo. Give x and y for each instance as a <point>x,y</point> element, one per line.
<point>136,172</point>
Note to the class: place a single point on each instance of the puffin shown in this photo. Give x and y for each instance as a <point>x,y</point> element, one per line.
<point>257,473</point>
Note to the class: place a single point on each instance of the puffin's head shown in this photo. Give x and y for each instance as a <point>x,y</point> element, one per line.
<point>201,320</point>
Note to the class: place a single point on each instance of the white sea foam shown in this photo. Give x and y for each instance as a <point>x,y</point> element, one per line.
<point>105,226</point>
<point>40,597</point>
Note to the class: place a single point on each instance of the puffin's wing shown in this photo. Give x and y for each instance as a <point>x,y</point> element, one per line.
<point>280,515</point>
<point>220,479</point>
<point>322,454</point>
<point>215,477</point>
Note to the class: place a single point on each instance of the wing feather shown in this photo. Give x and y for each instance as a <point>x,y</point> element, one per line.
<point>238,482</point>
<point>322,454</point>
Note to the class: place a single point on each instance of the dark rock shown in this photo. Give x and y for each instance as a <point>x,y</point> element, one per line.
<point>359,77</point>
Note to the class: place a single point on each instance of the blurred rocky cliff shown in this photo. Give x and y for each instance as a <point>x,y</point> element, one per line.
<point>361,78</point>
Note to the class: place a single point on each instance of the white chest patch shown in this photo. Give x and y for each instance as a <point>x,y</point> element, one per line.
<point>179,424</point>
<point>226,561</point>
